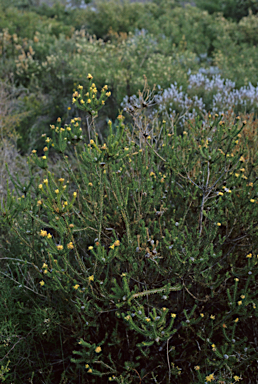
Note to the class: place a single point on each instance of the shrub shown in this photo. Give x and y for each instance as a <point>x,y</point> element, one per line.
<point>135,257</point>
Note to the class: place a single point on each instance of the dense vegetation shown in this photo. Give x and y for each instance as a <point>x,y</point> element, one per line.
<point>128,192</point>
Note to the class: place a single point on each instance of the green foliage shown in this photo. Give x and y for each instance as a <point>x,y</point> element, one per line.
<point>133,263</point>
<point>232,9</point>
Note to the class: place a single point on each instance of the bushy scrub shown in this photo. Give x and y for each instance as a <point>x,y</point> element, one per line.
<point>133,262</point>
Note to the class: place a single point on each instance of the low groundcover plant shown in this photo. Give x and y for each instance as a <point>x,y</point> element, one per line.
<point>139,262</point>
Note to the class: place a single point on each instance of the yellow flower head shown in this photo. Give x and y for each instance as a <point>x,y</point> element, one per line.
<point>74,194</point>
<point>49,236</point>
<point>212,317</point>
<point>76,286</point>
<point>41,283</point>
<point>98,350</point>
<point>117,243</point>
<point>59,247</point>
<point>44,157</point>
<point>91,278</point>
<point>56,191</point>
<point>70,245</point>
<point>43,233</point>
<point>173,315</point>
<point>89,77</point>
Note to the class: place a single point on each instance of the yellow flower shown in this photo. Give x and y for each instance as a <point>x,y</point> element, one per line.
<point>49,236</point>
<point>43,233</point>
<point>242,297</point>
<point>236,174</point>
<point>44,157</point>
<point>112,246</point>
<point>117,243</point>
<point>252,200</point>
<point>148,319</point>
<point>71,225</point>
<point>45,181</point>
<point>212,317</point>
<point>103,102</point>
<point>89,77</point>
<point>98,350</point>
<point>70,245</point>
<point>89,370</point>
<point>108,94</point>
<point>218,224</point>
<point>45,271</point>
<point>40,186</point>
<point>89,101</point>
<point>164,309</point>
<point>44,265</point>
<point>105,87</point>
<point>47,140</point>
<point>173,315</point>
<point>90,247</point>
<point>45,149</point>
<point>61,180</point>
<point>197,367</point>
<point>201,314</point>
<point>237,378</point>
<point>249,255</point>
<point>34,151</point>
<point>210,377</point>
<point>56,191</point>
<point>59,247</point>
<point>152,174</point>
<point>41,283</point>
<point>74,194</point>
<point>87,366</point>
<point>91,278</point>
<point>242,159</point>
<point>39,202</point>
<point>239,302</point>
<point>221,193</point>
<point>236,320</point>
<point>236,279</point>
<point>76,286</point>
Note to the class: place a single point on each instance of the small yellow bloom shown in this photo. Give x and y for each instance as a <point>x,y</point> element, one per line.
<point>220,193</point>
<point>76,286</point>
<point>44,157</point>
<point>236,320</point>
<point>34,151</point>
<point>41,283</point>
<point>108,94</point>
<point>152,174</point>
<point>39,202</point>
<point>242,159</point>
<point>74,194</point>
<point>43,233</point>
<point>236,378</point>
<point>112,246</point>
<point>239,302</point>
<point>105,87</point>
<point>44,265</point>
<point>236,279</point>
<point>252,200</point>
<point>249,255</point>
<point>40,186</point>
<point>89,370</point>
<point>45,181</point>
<point>70,245</point>
<point>117,243</point>
<point>45,149</point>
<point>242,297</point>
<point>59,247</point>
<point>71,225</point>
<point>201,314</point>
<point>47,140</point>
<point>49,236</point>
<point>218,224</point>
<point>89,101</point>
<point>56,191</point>
<point>210,377</point>
<point>98,350</point>
<point>91,278</point>
<point>173,315</point>
<point>103,102</point>
<point>87,366</point>
<point>89,77</point>
<point>90,247</point>
<point>164,309</point>
<point>212,317</point>
<point>197,367</point>
<point>45,271</point>
<point>237,174</point>
<point>148,319</point>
